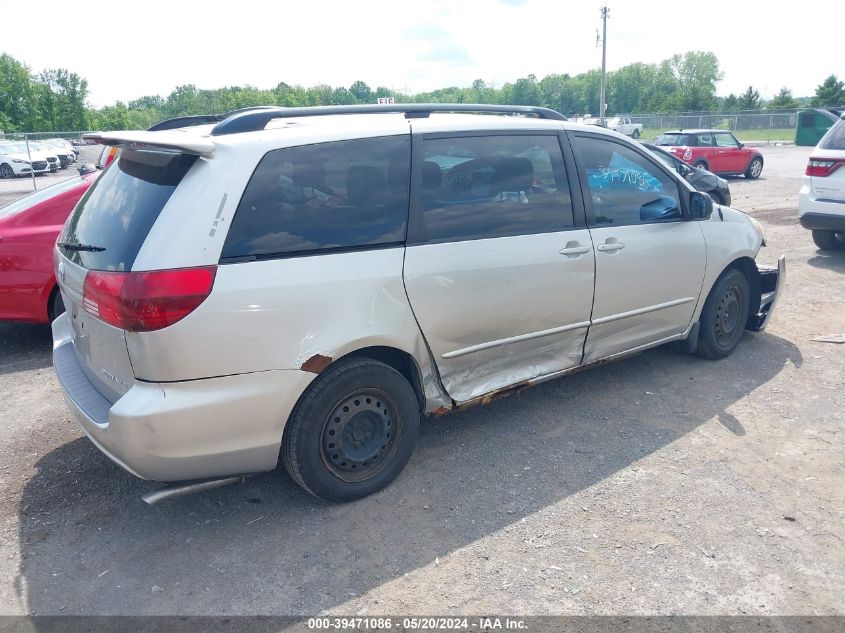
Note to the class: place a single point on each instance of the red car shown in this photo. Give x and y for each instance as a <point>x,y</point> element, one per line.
<point>714,150</point>
<point>28,231</point>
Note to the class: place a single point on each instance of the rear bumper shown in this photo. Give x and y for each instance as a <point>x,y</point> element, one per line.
<point>824,221</point>
<point>772,279</point>
<point>185,430</point>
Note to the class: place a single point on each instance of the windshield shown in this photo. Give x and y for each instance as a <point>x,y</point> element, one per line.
<point>15,148</point>
<point>671,138</point>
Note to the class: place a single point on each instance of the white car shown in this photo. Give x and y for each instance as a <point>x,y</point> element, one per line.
<point>64,152</point>
<point>15,161</point>
<point>303,284</point>
<point>821,201</point>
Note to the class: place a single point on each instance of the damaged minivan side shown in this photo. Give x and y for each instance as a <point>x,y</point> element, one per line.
<point>304,284</point>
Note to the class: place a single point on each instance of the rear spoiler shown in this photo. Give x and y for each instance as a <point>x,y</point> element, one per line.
<point>166,139</point>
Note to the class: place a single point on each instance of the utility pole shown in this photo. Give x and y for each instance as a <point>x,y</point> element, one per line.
<point>605,12</point>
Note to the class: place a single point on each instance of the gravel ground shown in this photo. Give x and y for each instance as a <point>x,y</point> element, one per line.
<point>661,484</point>
<point>14,188</point>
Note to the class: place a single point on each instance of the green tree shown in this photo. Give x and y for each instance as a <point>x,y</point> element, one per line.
<point>697,74</point>
<point>361,92</point>
<point>830,93</point>
<point>731,102</point>
<point>783,100</point>
<point>15,95</point>
<point>750,99</point>
<point>66,109</point>
<point>526,91</point>
<point>627,87</point>
<point>152,101</point>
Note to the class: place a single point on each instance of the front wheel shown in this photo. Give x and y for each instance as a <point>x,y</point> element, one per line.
<point>636,134</point>
<point>755,168</point>
<point>830,240</point>
<point>353,431</point>
<point>6,171</point>
<point>724,315</point>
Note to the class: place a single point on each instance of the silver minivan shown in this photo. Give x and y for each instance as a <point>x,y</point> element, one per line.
<point>305,284</point>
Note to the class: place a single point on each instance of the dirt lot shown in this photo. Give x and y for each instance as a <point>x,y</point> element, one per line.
<point>661,484</point>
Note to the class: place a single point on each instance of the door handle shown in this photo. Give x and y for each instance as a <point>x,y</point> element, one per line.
<point>610,247</point>
<point>574,248</point>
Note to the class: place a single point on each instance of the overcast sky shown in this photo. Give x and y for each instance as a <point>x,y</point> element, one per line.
<point>129,49</point>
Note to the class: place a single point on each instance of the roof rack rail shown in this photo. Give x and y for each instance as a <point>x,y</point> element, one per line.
<point>256,120</point>
<point>201,119</point>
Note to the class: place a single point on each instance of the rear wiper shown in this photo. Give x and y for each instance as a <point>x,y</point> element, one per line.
<point>75,246</point>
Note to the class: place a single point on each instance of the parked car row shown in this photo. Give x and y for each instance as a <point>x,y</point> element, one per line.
<point>19,158</point>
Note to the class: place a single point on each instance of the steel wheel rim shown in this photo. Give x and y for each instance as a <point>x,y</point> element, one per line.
<point>360,435</point>
<point>728,316</point>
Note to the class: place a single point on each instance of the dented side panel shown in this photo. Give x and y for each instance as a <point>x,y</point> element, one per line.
<point>499,311</point>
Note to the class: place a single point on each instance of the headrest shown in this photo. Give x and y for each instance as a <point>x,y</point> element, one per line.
<point>309,175</point>
<point>365,185</point>
<point>514,174</point>
<point>432,176</point>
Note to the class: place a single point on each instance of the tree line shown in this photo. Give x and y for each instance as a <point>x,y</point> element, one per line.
<point>56,99</point>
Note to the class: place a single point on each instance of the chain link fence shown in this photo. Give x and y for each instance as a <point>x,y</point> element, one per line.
<point>35,160</point>
<point>771,126</point>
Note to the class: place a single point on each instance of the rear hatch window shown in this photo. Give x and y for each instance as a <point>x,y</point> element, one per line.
<point>114,217</point>
<point>835,137</point>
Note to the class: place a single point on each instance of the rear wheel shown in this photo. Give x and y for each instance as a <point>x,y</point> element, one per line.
<point>636,134</point>
<point>55,306</point>
<point>6,171</point>
<point>755,168</point>
<point>830,240</point>
<point>353,431</point>
<point>701,164</point>
<point>724,315</point>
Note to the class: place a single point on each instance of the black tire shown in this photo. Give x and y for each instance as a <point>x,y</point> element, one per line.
<point>6,171</point>
<point>353,431</point>
<point>755,168</point>
<point>636,134</point>
<point>55,306</point>
<point>830,240</point>
<point>724,315</point>
<point>701,164</point>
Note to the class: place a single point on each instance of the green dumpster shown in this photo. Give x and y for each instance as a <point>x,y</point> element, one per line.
<point>812,125</point>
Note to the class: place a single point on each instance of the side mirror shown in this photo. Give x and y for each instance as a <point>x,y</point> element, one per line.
<point>700,206</point>
<point>741,145</point>
<point>684,169</point>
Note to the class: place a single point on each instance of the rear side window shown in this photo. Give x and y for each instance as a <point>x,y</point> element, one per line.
<point>116,214</point>
<point>323,198</point>
<point>493,186</point>
<point>835,137</point>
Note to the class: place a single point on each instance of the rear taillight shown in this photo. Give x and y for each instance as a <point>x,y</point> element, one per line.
<point>146,301</point>
<point>688,154</point>
<point>823,167</point>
